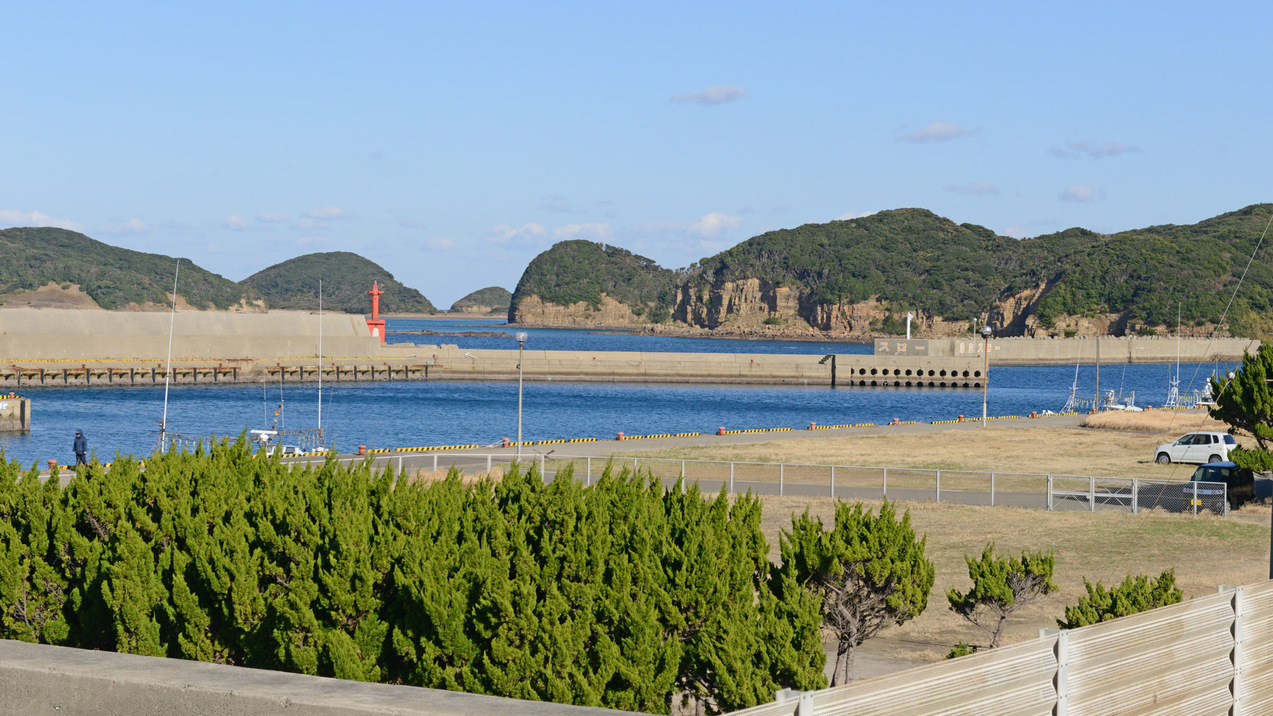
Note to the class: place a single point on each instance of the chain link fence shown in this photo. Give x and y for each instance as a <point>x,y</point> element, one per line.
<point>1072,493</point>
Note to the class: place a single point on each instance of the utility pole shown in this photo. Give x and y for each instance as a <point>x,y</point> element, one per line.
<point>1096,405</point>
<point>985,373</point>
<point>521,343</point>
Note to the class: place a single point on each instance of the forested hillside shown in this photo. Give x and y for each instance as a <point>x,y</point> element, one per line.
<point>580,271</point>
<point>347,277</point>
<point>492,299</point>
<point>858,276</point>
<point>113,277</point>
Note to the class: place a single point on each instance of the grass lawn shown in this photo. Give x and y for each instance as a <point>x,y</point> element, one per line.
<point>1016,447</point>
<point>1205,552</point>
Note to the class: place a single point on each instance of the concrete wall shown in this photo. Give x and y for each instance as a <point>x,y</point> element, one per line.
<point>452,362</point>
<point>15,414</point>
<point>1048,351</point>
<point>28,334</point>
<point>36,679</point>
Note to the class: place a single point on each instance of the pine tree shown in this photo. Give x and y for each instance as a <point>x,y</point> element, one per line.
<point>1245,403</point>
<point>869,570</point>
<point>1134,595</point>
<point>1001,586</point>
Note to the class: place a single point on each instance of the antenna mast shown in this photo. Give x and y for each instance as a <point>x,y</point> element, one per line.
<point>172,319</point>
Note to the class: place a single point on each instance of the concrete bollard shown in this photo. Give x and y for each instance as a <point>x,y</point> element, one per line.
<point>362,449</point>
<point>813,426</point>
<point>52,465</point>
<point>961,418</point>
<point>505,442</point>
<point>720,430</point>
<point>619,436</point>
<point>1034,414</point>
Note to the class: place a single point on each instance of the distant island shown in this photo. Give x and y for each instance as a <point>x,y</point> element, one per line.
<point>492,300</point>
<point>861,277</point>
<point>49,267</point>
<point>346,279</point>
<point>842,280</point>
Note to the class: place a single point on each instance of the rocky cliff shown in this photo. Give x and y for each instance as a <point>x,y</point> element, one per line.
<point>860,278</point>
<point>534,311</point>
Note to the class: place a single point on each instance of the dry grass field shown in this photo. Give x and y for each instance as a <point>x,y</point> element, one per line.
<point>1124,451</point>
<point>1154,421</point>
<point>1205,552</point>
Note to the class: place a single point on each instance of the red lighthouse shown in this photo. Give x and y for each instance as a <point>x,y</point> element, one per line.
<point>375,324</point>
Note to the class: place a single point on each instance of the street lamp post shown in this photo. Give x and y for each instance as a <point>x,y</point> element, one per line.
<point>521,343</point>
<point>985,372</point>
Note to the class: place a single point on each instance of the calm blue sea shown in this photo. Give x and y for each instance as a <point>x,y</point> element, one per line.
<point>565,339</point>
<point>125,420</point>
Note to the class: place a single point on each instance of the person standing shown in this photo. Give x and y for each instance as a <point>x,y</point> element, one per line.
<point>80,447</point>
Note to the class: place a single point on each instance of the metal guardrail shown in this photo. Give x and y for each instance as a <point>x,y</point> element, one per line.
<point>1055,492</point>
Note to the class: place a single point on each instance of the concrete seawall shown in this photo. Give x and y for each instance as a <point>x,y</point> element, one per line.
<point>53,347</point>
<point>38,679</point>
<point>70,334</point>
<point>1052,351</point>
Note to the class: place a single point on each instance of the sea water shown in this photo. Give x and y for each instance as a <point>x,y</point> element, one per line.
<point>444,412</point>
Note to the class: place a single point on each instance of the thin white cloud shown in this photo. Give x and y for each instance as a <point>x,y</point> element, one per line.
<point>10,217</point>
<point>716,94</point>
<point>440,244</point>
<point>595,231</point>
<point>556,203</point>
<point>273,217</point>
<point>1080,193</point>
<point>326,213</point>
<point>132,226</point>
<point>712,224</point>
<point>310,240</point>
<point>505,235</point>
<point>846,216</point>
<point>235,222</point>
<point>1094,150</point>
<point>1016,231</point>
<point>936,132</point>
<point>411,224</point>
<point>981,188</point>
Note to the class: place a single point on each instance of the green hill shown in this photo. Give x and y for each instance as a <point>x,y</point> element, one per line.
<point>581,271</point>
<point>912,259</point>
<point>111,276</point>
<point>493,299</point>
<point>347,277</point>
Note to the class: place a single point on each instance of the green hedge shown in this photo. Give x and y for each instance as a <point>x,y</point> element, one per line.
<point>621,595</point>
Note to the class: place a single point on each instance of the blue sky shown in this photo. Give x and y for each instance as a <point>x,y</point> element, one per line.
<point>452,142</point>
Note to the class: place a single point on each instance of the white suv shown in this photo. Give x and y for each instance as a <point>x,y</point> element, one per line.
<point>1196,447</point>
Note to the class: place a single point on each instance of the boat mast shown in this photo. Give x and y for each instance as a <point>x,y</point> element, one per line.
<point>172,319</point>
<point>1097,403</point>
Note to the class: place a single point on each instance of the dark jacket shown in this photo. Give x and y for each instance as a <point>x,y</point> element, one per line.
<point>80,446</point>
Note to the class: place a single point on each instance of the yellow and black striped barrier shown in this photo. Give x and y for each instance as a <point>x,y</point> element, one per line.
<point>846,425</point>
<point>753,430</point>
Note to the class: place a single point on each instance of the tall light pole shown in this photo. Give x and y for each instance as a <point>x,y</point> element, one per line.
<point>521,343</point>
<point>985,372</point>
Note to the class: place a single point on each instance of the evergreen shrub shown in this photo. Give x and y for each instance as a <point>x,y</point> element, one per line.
<point>623,595</point>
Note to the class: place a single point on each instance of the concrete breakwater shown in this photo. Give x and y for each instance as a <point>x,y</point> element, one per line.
<point>1053,351</point>
<point>411,362</point>
<point>55,347</point>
